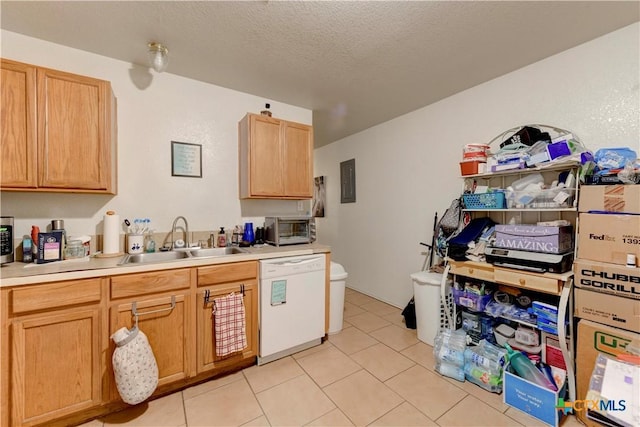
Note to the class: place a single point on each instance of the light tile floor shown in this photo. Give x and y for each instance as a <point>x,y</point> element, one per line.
<point>374,372</point>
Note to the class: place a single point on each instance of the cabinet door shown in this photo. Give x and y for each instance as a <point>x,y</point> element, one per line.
<point>167,330</point>
<point>18,117</point>
<point>206,354</point>
<point>265,157</point>
<point>55,365</point>
<point>298,160</point>
<point>74,127</point>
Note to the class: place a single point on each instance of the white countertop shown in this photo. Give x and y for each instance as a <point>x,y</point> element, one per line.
<point>18,273</point>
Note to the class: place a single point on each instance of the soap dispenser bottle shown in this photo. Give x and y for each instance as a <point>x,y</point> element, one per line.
<point>222,238</point>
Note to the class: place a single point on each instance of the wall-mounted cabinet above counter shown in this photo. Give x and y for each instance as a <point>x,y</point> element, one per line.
<point>276,158</point>
<point>58,131</point>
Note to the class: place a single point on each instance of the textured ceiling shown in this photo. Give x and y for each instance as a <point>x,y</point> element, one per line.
<point>355,64</point>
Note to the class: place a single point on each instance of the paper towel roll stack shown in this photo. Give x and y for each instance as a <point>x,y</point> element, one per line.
<point>111,237</point>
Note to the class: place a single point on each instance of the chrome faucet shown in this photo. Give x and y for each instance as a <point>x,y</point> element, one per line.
<point>186,232</point>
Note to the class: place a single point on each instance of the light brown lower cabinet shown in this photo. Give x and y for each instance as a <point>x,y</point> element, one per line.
<point>162,302</point>
<point>207,361</point>
<point>56,351</point>
<point>218,281</point>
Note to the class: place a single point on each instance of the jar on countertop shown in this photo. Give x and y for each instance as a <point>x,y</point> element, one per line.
<point>74,249</point>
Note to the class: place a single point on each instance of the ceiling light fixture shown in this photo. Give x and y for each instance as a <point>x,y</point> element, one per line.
<point>158,56</point>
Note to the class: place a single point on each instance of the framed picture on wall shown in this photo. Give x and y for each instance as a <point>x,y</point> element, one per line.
<point>348,181</point>
<point>186,159</point>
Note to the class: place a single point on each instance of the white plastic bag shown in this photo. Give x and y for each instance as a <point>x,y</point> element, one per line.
<point>134,365</point>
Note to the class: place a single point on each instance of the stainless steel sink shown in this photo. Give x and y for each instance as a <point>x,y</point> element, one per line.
<point>215,252</point>
<point>157,257</point>
<point>153,257</point>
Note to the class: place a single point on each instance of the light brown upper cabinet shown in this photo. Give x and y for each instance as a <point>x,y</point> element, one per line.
<point>58,131</point>
<point>276,158</point>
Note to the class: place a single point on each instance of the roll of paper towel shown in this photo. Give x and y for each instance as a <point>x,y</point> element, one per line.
<point>111,237</point>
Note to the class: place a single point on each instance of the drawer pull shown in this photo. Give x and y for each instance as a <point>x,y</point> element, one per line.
<point>523,282</point>
<point>135,313</point>
<point>471,271</point>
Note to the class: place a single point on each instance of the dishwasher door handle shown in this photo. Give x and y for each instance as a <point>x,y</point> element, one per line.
<point>295,262</point>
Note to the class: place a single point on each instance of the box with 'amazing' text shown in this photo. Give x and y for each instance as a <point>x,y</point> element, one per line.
<point>608,237</point>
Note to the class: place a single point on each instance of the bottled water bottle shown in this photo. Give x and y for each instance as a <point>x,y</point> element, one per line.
<point>449,370</point>
<point>486,356</point>
<point>449,347</point>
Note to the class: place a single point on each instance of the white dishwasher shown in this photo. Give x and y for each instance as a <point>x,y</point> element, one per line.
<point>292,305</point>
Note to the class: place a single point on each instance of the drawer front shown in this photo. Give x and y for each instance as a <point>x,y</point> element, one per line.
<point>54,295</point>
<point>472,271</point>
<point>227,273</point>
<point>148,283</point>
<point>528,281</point>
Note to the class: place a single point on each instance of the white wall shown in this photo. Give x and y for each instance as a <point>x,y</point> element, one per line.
<point>407,168</point>
<point>170,108</point>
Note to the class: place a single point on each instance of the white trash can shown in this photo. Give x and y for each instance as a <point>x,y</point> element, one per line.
<point>336,297</point>
<point>426,293</point>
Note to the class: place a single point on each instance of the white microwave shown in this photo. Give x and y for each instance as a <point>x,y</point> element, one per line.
<point>281,231</point>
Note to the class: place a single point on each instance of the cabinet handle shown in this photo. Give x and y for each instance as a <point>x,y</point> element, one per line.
<point>207,294</point>
<point>135,313</point>
<point>471,271</point>
<point>523,282</point>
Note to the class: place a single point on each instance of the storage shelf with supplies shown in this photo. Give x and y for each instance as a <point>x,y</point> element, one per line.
<point>542,206</point>
<point>559,285</point>
<point>557,202</point>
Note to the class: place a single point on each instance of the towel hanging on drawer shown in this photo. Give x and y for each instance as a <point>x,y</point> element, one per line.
<point>229,324</point>
<point>134,365</point>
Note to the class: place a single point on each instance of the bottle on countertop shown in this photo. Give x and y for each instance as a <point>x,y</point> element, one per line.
<point>27,249</point>
<point>222,238</point>
<point>58,225</point>
<point>35,230</point>
<point>236,236</point>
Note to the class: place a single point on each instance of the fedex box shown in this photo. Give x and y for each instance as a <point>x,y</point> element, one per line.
<point>535,238</point>
<point>608,237</point>
<point>593,339</point>
<point>611,198</point>
<point>611,310</point>
<point>607,278</point>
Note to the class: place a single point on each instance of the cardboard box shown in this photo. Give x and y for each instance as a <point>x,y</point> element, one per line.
<point>535,238</point>
<point>607,278</point>
<point>611,310</point>
<point>611,198</point>
<point>532,399</point>
<point>595,338</point>
<point>608,237</point>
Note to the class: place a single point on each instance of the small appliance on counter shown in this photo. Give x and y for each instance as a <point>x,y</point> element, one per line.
<point>6,239</point>
<point>281,231</point>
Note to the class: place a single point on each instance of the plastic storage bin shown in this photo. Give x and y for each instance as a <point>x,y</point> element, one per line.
<point>430,314</point>
<point>495,200</point>
<point>473,302</point>
<point>337,285</point>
